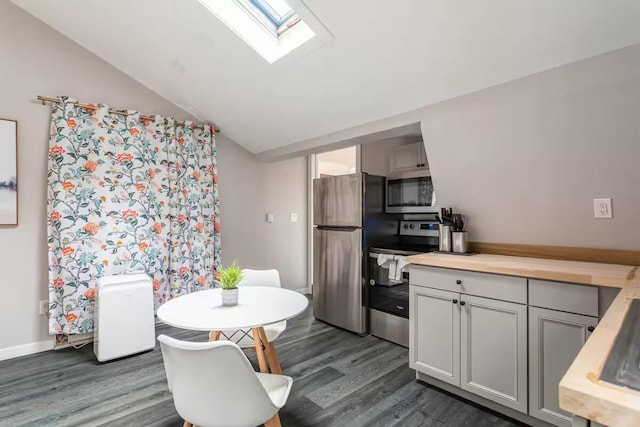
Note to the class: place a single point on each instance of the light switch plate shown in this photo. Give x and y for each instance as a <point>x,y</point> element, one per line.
<point>293,217</point>
<point>44,306</point>
<point>270,217</point>
<point>602,208</point>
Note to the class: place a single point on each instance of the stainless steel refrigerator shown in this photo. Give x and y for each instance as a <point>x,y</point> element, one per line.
<point>348,217</point>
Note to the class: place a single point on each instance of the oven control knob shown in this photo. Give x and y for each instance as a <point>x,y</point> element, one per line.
<point>405,226</point>
<point>411,226</point>
<point>372,282</point>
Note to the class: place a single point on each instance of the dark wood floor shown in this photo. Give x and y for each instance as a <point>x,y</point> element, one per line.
<point>340,379</point>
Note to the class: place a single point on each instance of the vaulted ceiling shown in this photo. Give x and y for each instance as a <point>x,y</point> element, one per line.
<point>386,56</point>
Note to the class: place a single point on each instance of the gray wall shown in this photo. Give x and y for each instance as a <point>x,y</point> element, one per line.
<point>525,159</point>
<point>36,60</point>
<point>248,191</point>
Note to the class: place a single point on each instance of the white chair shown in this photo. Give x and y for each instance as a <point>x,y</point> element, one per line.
<point>257,278</point>
<point>214,385</point>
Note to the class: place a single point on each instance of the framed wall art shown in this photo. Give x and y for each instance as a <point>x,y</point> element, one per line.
<point>8,172</point>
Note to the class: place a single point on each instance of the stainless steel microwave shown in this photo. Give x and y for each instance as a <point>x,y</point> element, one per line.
<point>412,193</point>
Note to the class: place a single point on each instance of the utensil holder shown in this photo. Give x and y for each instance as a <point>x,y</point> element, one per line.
<point>460,242</point>
<point>445,238</point>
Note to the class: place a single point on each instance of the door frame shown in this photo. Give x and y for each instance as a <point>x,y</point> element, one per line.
<point>312,168</point>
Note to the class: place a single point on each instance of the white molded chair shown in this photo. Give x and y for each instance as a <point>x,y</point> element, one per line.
<point>214,385</point>
<point>257,278</point>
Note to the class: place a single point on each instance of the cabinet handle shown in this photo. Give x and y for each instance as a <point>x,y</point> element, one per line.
<point>455,301</point>
<point>458,282</point>
<point>462,303</point>
<point>591,329</point>
<point>399,307</point>
<point>418,165</point>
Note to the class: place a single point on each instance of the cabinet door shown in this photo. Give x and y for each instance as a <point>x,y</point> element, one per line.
<point>406,157</point>
<point>555,338</point>
<point>434,333</point>
<point>494,350</point>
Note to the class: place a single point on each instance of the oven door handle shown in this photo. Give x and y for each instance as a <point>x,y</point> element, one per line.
<point>373,255</point>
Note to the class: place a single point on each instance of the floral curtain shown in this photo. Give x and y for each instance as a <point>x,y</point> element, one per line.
<point>127,193</point>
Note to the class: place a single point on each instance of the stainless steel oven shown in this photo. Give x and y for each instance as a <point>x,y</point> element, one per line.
<point>388,302</point>
<point>389,299</point>
<point>410,193</point>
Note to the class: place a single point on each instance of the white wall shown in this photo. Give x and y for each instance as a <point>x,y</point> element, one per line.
<point>35,60</point>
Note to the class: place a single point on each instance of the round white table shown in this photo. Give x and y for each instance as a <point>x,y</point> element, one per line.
<point>257,306</point>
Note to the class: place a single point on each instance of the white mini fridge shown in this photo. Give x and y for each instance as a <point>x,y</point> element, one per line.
<point>124,318</point>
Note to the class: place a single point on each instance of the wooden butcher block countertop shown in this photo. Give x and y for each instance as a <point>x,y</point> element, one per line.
<point>581,392</point>
<point>587,273</point>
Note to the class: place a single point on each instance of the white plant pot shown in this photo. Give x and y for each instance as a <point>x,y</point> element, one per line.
<point>230,296</point>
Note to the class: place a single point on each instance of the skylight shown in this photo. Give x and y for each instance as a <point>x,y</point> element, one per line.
<point>277,11</point>
<point>271,27</point>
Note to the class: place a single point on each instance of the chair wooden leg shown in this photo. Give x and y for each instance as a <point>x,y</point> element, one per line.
<point>260,351</point>
<point>187,424</point>
<point>273,421</point>
<point>270,352</point>
<point>214,335</point>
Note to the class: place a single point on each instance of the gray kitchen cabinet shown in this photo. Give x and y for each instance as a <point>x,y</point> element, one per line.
<point>408,157</point>
<point>493,350</point>
<point>555,338</point>
<point>501,339</point>
<point>434,333</point>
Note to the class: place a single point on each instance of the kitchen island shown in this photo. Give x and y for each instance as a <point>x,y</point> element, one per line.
<point>551,284</point>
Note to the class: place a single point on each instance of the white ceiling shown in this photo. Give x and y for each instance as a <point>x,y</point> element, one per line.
<point>387,56</point>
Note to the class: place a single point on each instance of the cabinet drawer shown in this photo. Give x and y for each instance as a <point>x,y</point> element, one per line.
<point>567,297</point>
<point>496,286</point>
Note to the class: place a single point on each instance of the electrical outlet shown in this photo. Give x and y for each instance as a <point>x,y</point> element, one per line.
<point>293,217</point>
<point>44,306</point>
<point>270,217</point>
<point>602,208</point>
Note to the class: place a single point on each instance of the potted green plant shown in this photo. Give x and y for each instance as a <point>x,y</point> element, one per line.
<point>229,278</point>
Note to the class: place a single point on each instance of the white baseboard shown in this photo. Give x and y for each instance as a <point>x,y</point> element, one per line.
<point>304,291</point>
<point>25,349</point>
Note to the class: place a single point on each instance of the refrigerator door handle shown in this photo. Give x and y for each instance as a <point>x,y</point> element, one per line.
<point>336,228</point>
